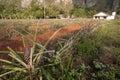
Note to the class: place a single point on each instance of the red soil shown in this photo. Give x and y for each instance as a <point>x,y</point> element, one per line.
<point>62,32</point>
<point>16,43</point>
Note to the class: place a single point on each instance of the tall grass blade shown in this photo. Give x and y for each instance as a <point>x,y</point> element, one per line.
<point>9,72</point>
<point>33,48</point>
<point>32,41</point>
<point>52,37</point>
<point>7,52</point>
<point>20,61</point>
<point>5,61</point>
<point>31,55</point>
<point>12,52</point>
<point>9,67</point>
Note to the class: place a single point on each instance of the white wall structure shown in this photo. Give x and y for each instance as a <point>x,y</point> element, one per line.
<point>112,17</point>
<point>103,15</point>
<point>100,15</point>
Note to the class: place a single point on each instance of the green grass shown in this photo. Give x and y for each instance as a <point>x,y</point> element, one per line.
<point>109,34</point>
<point>103,45</point>
<point>34,22</point>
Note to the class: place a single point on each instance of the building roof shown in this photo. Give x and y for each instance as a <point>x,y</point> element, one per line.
<point>101,14</point>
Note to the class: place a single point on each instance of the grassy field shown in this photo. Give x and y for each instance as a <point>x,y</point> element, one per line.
<point>88,54</point>
<point>23,24</point>
<point>39,22</point>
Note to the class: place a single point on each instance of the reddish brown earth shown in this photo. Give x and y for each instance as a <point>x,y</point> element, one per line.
<point>16,43</point>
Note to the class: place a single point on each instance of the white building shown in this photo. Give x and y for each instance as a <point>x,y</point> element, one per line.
<point>103,15</point>
<point>111,17</point>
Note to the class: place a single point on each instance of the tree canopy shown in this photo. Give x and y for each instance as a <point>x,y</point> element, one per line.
<point>11,9</point>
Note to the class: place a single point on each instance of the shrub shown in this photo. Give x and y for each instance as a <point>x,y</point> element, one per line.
<point>78,12</point>
<point>102,72</point>
<point>87,47</point>
<point>53,11</point>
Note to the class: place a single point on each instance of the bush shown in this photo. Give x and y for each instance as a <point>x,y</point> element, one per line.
<point>78,12</point>
<point>87,47</point>
<point>82,12</point>
<point>89,12</point>
<point>38,14</point>
<point>52,11</point>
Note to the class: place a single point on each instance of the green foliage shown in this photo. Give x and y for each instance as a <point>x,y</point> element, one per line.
<point>89,12</point>
<point>67,72</point>
<point>20,66</point>
<point>103,72</point>
<point>98,65</point>
<point>108,35</point>
<point>87,47</point>
<point>1,8</point>
<point>118,60</point>
<point>9,8</point>
<point>36,9</point>
<point>53,11</point>
<point>82,12</point>
<point>69,61</point>
<point>78,12</point>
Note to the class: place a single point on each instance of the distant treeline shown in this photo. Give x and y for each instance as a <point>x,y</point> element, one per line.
<point>12,9</point>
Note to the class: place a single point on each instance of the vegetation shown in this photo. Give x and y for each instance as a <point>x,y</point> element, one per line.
<point>13,9</point>
<point>81,12</point>
<point>93,53</point>
<point>99,50</point>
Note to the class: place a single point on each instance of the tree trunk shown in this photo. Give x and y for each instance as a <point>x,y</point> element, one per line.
<point>116,4</point>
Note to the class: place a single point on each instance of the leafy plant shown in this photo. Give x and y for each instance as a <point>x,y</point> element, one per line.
<point>28,66</point>
<point>87,47</point>
<point>78,12</point>
<point>98,65</point>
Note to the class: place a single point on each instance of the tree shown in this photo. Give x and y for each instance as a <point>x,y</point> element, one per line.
<point>116,5</point>
<point>66,8</point>
<point>9,7</point>
<point>36,10</point>
<point>53,11</point>
<point>78,12</point>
